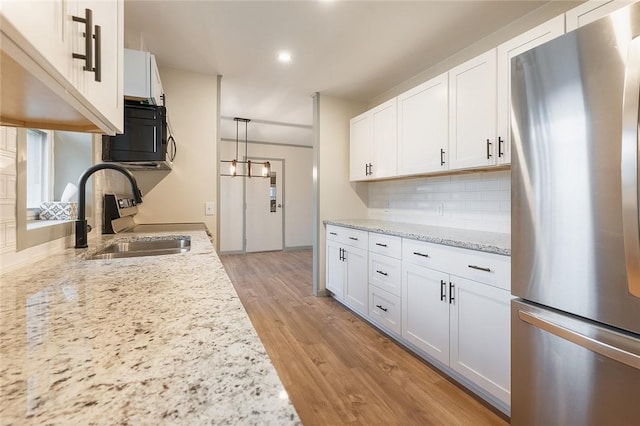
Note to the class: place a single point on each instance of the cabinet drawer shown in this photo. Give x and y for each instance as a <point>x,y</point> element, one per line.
<point>355,238</point>
<point>348,236</point>
<point>487,268</point>
<point>434,256</point>
<point>385,273</point>
<point>334,233</point>
<point>387,245</point>
<point>384,309</point>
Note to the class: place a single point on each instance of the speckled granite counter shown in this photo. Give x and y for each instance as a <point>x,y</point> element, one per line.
<point>491,242</point>
<point>144,340</point>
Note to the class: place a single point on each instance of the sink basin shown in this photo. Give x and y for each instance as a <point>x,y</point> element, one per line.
<point>137,248</point>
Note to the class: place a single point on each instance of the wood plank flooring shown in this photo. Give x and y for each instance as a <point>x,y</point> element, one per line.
<point>337,369</point>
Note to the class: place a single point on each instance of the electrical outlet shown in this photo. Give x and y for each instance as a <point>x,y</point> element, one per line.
<point>209,208</point>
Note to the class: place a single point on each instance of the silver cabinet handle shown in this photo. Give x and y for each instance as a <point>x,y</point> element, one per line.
<point>628,358</point>
<point>382,308</point>
<point>98,69</point>
<point>88,40</point>
<point>629,167</point>
<point>479,268</point>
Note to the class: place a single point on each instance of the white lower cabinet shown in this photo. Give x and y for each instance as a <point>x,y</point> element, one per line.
<point>355,286</point>
<point>480,342</point>
<point>452,305</point>
<point>335,275</point>
<point>425,310</point>
<point>346,267</point>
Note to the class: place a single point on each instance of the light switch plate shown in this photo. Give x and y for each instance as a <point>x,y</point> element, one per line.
<point>209,208</point>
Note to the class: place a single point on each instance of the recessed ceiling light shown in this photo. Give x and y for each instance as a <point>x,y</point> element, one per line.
<point>284,57</point>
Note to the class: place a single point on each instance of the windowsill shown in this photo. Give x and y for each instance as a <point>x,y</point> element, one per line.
<point>35,224</point>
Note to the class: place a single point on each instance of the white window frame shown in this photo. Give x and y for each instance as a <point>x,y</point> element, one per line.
<point>40,178</point>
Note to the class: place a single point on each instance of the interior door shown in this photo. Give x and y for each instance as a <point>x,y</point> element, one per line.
<point>264,210</point>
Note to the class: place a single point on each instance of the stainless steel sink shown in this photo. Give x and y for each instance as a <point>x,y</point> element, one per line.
<point>137,248</point>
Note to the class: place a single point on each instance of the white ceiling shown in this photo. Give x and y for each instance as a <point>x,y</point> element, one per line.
<point>350,49</point>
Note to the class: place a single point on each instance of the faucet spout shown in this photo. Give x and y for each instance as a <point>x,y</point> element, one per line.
<point>81,223</point>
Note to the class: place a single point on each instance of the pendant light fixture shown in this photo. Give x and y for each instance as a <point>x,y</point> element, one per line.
<point>243,168</point>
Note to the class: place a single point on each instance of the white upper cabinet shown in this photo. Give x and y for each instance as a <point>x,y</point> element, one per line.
<point>472,113</point>
<point>50,70</point>
<point>103,87</point>
<point>385,140</point>
<point>46,28</point>
<point>591,11</point>
<point>373,141</point>
<point>423,127</point>
<point>520,44</point>
<point>141,77</point>
<point>360,142</point>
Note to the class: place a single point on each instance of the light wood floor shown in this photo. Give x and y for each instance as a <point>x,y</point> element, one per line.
<point>337,369</point>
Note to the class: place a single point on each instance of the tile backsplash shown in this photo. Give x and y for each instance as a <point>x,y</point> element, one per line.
<point>480,201</point>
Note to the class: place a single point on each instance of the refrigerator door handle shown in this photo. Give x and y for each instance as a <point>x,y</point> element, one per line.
<point>629,167</point>
<point>602,348</point>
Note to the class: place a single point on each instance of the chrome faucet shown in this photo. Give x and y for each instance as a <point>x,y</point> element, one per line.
<point>81,223</point>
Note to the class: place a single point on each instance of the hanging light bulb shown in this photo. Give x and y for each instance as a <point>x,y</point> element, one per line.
<point>266,169</point>
<point>233,168</point>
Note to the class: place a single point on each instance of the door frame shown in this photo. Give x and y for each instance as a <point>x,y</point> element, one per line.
<point>244,196</point>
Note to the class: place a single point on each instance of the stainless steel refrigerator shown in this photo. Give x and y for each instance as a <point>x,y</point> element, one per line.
<point>575,232</point>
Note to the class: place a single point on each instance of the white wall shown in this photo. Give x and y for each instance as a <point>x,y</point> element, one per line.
<point>337,197</point>
<point>180,195</point>
<point>480,201</point>
<point>538,16</point>
<point>298,200</point>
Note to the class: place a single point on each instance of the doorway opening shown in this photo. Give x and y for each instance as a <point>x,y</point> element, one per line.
<point>253,217</point>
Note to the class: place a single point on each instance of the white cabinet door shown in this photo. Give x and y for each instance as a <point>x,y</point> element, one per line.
<point>480,335</point>
<point>385,140</point>
<point>423,127</point>
<point>472,113</point>
<point>46,26</point>
<point>103,88</point>
<point>335,273</point>
<point>591,11</point>
<point>356,285</point>
<point>360,146</point>
<point>528,40</point>
<point>425,310</point>
<point>41,38</point>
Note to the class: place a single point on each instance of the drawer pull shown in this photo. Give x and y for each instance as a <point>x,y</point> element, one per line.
<point>381,245</point>
<point>353,238</point>
<point>443,290</point>
<point>479,268</point>
<point>383,273</point>
<point>417,253</point>
<point>333,233</point>
<point>452,298</point>
<point>382,308</point>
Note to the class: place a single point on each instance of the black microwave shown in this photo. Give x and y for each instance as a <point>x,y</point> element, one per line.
<point>144,138</point>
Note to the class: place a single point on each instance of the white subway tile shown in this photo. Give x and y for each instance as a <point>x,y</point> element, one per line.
<point>12,139</point>
<point>496,195</point>
<point>462,196</point>
<point>10,234</point>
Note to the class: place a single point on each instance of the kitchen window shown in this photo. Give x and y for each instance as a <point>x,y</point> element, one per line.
<point>39,169</point>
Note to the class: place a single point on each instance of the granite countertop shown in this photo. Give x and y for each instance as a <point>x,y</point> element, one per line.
<point>490,242</point>
<point>143,340</point>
